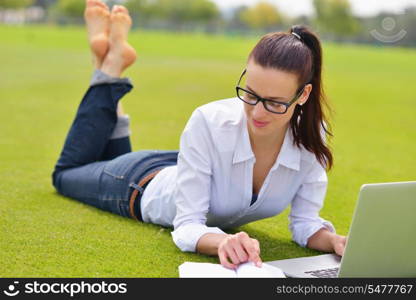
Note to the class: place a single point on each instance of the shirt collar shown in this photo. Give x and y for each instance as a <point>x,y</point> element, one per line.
<point>243,149</point>
<point>289,155</point>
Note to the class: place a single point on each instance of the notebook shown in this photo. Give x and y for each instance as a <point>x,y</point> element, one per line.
<point>244,270</point>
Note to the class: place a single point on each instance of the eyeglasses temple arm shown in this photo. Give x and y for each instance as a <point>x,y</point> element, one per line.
<point>297,95</point>
<point>241,76</point>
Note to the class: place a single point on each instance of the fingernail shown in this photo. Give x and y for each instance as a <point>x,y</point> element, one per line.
<point>258,264</point>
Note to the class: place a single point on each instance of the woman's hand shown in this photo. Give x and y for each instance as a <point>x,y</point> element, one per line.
<point>338,243</point>
<point>239,248</point>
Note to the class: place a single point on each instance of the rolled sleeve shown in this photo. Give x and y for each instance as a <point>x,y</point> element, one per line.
<point>304,216</point>
<point>186,236</point>
<point>192,194</point>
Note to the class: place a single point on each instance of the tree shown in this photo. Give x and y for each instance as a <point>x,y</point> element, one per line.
<point>15,3</point>
<point>176,13</point>
<point>179,11</point>
<point>44,3</point>
<point>261,16</point>
<point>71,8</point>
<point>142,10</point>
<point>235,22</point>
<point>136,6</point>
<point>409,23</point>
<point>335,17</point>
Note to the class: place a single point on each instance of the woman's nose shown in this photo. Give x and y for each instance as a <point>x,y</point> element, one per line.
<point>259,111</point>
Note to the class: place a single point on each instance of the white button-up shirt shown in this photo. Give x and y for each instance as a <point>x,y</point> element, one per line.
<point>210,188</point>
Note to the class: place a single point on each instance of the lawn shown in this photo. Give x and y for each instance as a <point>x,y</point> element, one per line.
<point>44,72</point>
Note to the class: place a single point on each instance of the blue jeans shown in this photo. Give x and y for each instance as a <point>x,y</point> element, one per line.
<point>97,170</point>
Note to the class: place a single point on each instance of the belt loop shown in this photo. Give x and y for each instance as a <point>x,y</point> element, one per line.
<point>136,187</point>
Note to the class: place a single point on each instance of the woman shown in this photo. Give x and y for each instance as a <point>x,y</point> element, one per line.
<point>240,159</point>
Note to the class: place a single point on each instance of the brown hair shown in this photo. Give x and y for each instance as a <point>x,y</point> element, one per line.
<point>299,51</point>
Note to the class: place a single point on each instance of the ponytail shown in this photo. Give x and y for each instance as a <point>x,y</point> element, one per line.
<point>312,127</point>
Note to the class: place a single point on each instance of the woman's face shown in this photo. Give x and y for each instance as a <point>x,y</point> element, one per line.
<point>271,84</point>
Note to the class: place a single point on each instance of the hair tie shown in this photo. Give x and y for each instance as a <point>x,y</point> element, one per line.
<point>296,35</point>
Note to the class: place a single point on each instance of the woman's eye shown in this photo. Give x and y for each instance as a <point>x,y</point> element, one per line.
<point>250,96</point>
<point>274,104</point>
<point>276,107</point>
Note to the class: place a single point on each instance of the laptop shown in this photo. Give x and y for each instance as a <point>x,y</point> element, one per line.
<point>381,241</point>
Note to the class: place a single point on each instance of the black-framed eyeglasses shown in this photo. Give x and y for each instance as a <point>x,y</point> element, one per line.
<point>272,106</point>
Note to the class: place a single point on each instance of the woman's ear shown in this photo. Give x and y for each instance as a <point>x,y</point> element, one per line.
<point>305,95</point>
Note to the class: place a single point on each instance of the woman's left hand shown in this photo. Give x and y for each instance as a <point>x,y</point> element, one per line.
<point>338,243</point>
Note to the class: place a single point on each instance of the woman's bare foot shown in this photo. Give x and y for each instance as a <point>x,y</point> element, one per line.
<point>97,18</point>
<point>121,54</point>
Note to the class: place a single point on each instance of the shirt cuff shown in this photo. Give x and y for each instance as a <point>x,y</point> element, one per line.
<point>186,236</point>
<point>311,229</point>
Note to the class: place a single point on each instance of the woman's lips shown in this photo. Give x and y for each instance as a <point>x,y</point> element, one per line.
<point>259,124</point>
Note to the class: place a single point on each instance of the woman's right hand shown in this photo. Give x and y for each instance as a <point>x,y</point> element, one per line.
<point>239,248</point>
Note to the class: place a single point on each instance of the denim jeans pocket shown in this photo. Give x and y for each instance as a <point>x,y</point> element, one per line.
<point>113,193</point>
<point>115,170</point>
<point>121,166</point>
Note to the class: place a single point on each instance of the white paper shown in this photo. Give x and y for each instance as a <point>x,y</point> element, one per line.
<point>250,270</point>
<point>208,270</point>
<point>205,270</point>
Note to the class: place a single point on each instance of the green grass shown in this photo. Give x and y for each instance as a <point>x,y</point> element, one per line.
<point>45,72</point>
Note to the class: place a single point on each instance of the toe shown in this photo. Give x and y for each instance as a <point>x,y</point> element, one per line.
<point>92,3</point>
<point>93,12</point>
<point>119,9</point>
<point>96,3</point>
<point>102,4</point>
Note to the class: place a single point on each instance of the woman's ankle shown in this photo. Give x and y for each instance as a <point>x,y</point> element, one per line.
<point>111,69</point>
<point>120,110</point>
<point>100,77</point>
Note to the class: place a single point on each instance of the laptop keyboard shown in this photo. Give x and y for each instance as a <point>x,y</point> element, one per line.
<point>325,273</point>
